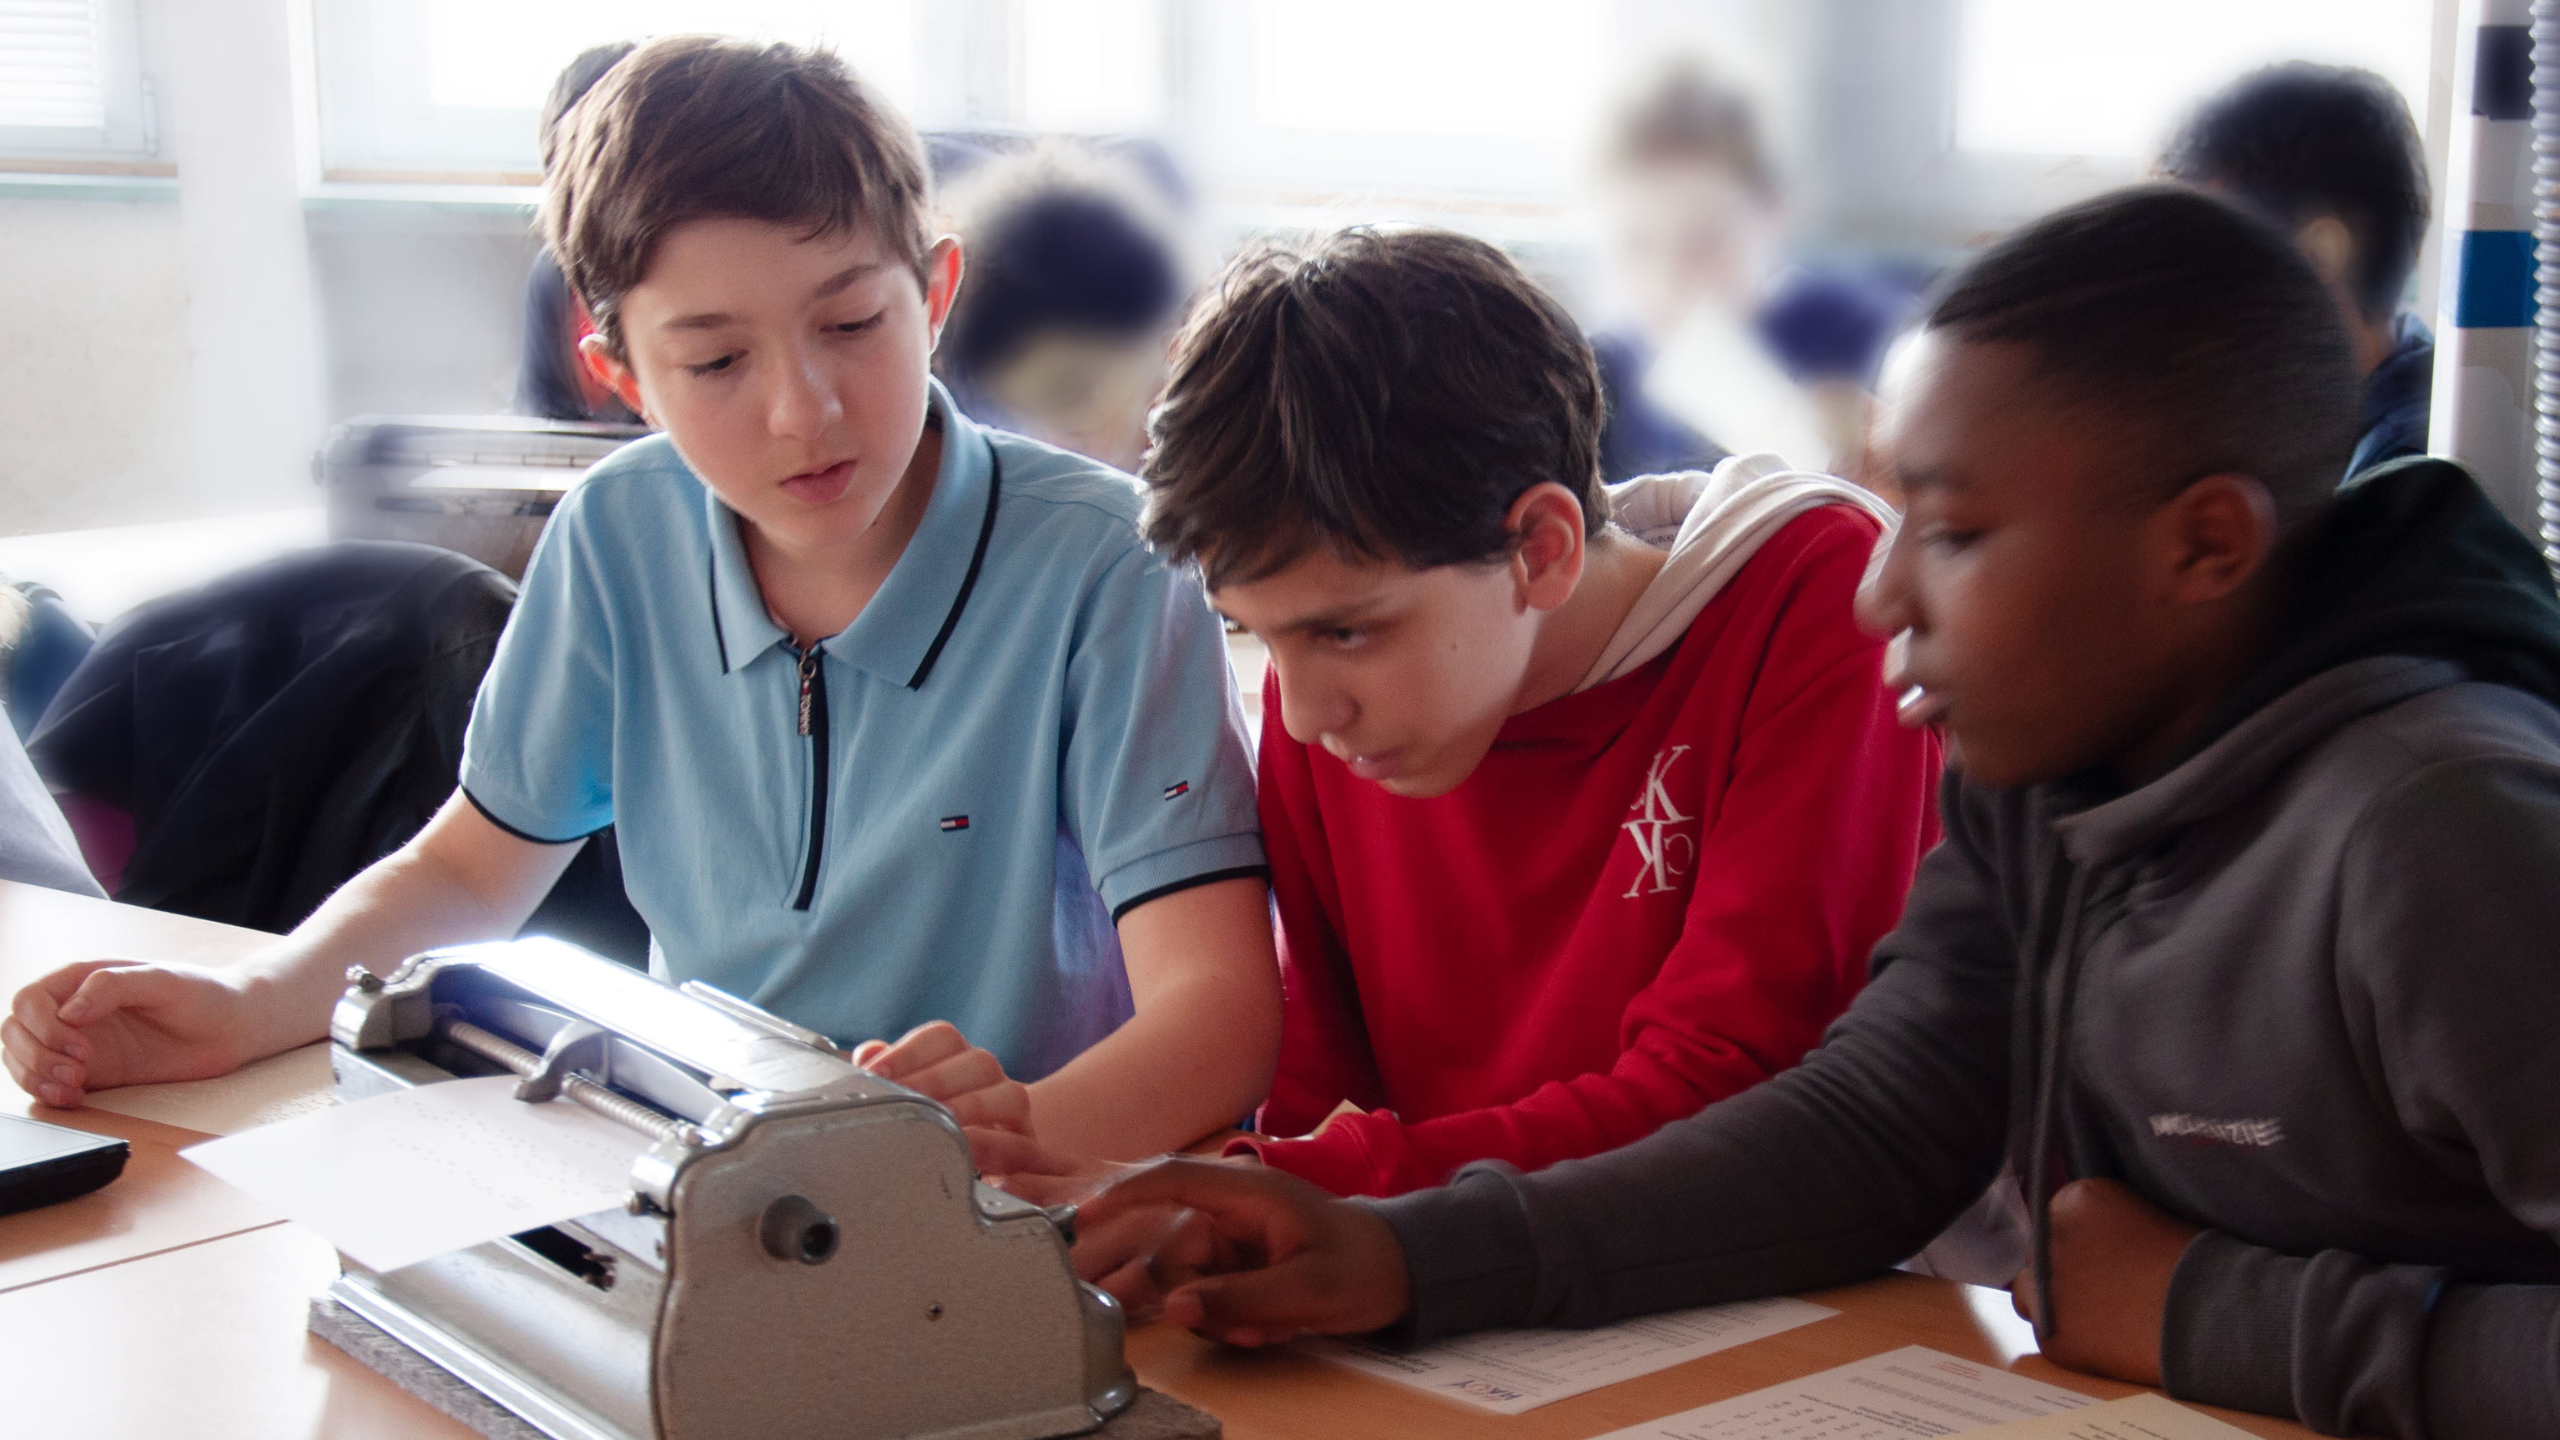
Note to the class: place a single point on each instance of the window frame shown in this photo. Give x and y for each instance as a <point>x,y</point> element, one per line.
<point>375,124</point>
<point>129,142</point>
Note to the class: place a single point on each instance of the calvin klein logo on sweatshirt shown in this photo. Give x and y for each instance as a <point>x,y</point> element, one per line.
<point>2218,1132</point>
<point>1664,854</point>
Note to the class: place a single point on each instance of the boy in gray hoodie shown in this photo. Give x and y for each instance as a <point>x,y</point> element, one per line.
<point>2243,946</point>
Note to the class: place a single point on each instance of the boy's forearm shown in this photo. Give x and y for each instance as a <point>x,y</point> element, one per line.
<point>1828,1172</point>
<point>2349,1345</point>
<point>417,898</point>
<point>1376,1153</point>
<point>1190,1063</point>
<point>1198,1053</point>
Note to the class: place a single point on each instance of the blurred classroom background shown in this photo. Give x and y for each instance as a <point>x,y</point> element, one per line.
<point>269,278</point>
<point>231,224</point>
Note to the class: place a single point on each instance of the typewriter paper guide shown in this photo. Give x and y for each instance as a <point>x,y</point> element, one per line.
<point>400,1177</point>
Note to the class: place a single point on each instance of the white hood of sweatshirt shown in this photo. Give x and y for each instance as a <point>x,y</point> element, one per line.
<point>1712,523</point>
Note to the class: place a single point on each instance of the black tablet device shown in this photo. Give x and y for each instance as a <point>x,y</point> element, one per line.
<point>40,1163</point>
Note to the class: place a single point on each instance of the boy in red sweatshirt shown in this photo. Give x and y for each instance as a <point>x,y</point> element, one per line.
<point>1584,808</point>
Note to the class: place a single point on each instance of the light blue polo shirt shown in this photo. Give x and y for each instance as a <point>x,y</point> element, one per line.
<point>1028,731</point>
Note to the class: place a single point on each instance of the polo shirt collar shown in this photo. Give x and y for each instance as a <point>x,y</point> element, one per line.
<point>900,635</point>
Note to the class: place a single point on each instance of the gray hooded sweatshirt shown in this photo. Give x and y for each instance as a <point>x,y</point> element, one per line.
<point>2302,990</point>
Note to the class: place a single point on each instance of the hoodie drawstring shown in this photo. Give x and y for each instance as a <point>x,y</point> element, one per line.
<point>2064,982</point>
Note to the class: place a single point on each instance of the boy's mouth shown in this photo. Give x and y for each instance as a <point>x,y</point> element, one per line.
<point>1918,706</point>
<point>820,487</point>
<point>1915,704</point>
<point>1376,767</point>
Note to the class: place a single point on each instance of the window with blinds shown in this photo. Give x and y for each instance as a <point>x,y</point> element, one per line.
<point>73,93</point>
<point>52,75</point>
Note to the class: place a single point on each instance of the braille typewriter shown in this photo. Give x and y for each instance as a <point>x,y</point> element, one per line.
<point>806,1249</point>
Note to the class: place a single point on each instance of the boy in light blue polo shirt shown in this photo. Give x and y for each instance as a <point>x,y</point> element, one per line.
<point>901,727</point>
<point>961,853</point>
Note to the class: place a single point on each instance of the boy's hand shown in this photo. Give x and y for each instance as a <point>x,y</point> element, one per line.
<point>1016,1163</point>
<point>104,1023</point>
<point>2113,1256</point>
<point>1113,1255</point>
<point>1120,1252</point>
<point>1253,1256</point>
<point>937,1062</point>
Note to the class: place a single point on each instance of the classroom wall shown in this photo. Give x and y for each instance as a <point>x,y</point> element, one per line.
<point>419,307</point>
<point>95,378</point>
<point>417,310</point>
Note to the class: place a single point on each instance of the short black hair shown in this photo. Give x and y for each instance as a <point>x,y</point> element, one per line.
<point>571,86</point>
<point>1055,245</point>
<point>2195,331</point>
<point>2299,141</point>
<point>1387,394</point>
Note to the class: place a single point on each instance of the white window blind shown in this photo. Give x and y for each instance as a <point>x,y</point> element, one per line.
<point>52,71</point>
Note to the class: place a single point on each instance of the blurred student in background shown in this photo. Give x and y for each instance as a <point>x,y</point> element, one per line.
<point>1724,349</point>
<point>553,383</point>
<point>2332,155</point>
<point>1076,279</point>
<point>36,845</point>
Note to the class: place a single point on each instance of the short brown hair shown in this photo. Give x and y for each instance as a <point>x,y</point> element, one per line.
<point>1687,114</point>
<point>1388,394</point>
<point>692,127</point>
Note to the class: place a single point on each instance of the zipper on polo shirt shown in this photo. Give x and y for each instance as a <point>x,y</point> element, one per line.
<point>813,723</point>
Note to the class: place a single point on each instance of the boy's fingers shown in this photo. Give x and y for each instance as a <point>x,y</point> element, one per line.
<point>1021,1159</point>
<point>2022,1292</point>
<point>926,1045</point>
<point>1041,1189</point>
<point>1135,1289</point>
<point>1235,1197</point>
<point>30,1064</point>
<point>1268,1304</point>
<point>1001,1106</point>
<point>1008,1153</point>
<point>38,1008</point>
<point>868,1051</point>
<point>109,988</point>
<point>60,983</point>
<point>952,1075</point>
<point>1136,1237</point>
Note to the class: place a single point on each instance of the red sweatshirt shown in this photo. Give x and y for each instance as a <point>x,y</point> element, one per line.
<point>1653,893</point>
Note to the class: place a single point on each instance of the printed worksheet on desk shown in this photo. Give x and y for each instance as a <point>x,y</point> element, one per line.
<point>1905,1393</point>
<point>1508,1371</point>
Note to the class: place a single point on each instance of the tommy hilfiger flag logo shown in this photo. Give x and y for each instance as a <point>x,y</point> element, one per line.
<point>1177,791</point>
<point>955,822</point>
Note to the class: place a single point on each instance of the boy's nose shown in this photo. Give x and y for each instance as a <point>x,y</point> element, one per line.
<point>1308,711</point>
<point>1883,606</point>
<point>804,402</point>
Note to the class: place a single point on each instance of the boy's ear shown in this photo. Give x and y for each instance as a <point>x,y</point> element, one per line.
<point>1547,545</point>
<point>612,374</point>
<point>942,271</point>
<point>2217,534</point>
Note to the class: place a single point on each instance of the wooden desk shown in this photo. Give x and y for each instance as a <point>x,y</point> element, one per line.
<point>160,1202</point>
<point>179,1305</point>
<point>201,1342</point>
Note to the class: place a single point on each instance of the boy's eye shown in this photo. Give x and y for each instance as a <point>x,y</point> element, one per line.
<point>713,367</point>
<point>1949,539</point>
<point>1344,638</point>
<point>855,327</point>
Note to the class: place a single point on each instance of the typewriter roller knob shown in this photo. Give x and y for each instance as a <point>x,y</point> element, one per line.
<point>794,1229</point>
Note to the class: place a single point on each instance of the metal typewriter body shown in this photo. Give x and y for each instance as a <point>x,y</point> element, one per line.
<point>806,1252</point>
